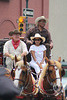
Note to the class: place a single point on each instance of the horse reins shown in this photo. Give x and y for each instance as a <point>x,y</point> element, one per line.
<point>23,92</point>
<point>21,79</point>
<point>44,92</point>
<point>52,80</point>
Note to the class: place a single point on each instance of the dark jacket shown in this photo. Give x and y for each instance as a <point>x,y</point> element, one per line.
<point>7,87</point>
<point>31,32</point>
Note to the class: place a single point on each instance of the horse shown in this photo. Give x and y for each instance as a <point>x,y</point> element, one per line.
<point>8,91</point>
<point>50,85</point>
<point>24,80</point>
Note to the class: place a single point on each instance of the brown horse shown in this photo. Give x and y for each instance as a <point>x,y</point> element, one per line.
<point>24,80</point>
<point>50,81</point>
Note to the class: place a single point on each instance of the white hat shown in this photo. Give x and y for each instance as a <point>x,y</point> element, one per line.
<point>40,18</point>
<point>37,35</point>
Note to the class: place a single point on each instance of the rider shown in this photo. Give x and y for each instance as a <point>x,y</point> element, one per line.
<point>39,28</point>
<point>14,47</point>
<point>38,53</point>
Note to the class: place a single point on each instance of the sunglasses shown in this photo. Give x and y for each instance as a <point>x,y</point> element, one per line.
<point>37,39</point>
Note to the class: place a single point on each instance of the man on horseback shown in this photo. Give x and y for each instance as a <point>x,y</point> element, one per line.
<point>39,28</point>
<point>14,47</point>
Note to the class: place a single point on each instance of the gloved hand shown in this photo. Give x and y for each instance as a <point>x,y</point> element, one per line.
<point>12,57</point>
<point>19,57</point>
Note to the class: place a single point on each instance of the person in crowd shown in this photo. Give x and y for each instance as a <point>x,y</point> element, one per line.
<point>39,28</point>
<point>38,53</point>
<point>8,90</point>
<point>14,47</point>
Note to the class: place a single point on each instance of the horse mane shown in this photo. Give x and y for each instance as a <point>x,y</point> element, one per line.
<point>58,64</point>
<point>42,74</point>
<point>20,63</point>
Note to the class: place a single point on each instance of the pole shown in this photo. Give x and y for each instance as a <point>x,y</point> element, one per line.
<point>26,17</point>
<point>20,7</point>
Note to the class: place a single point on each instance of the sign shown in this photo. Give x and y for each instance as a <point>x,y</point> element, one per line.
<point>28,12</point>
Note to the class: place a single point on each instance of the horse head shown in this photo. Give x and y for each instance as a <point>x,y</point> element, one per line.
<point>23,77</point>
<point>20,71</point>
<point>56,64</point>
<point>52,73</point>
<point>14,65</point>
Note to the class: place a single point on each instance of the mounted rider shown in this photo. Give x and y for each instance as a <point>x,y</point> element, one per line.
<point>14,47</point>
<point>39,28</point>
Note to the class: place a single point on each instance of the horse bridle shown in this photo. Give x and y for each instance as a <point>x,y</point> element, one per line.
<point>28,70</point>
<point>25,86</point>
<point>51,83</point>
<point>52,80</point>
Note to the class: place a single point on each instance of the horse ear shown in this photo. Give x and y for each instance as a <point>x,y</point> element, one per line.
<point>16,60</point>
<point>62,72</point>
<point>25,60</point>
<point>59,59</point>
<point>47,60</point>
<point>13,73</point>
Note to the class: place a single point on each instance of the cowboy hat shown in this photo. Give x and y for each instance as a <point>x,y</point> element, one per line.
<point>40,18</point>
<point>14,32</point>
<point>38,36</point>
<point>10,33</point>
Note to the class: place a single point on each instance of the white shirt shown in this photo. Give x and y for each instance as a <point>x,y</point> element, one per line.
<point>8,48</point>
<point>38,52</point>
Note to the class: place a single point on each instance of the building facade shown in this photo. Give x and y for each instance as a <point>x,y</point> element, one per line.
<point>54,10</point>
<point>11,10</point>
<point>58,28</point>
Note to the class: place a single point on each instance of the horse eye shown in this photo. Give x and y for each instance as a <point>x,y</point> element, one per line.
<point>13,73</point>
<point>50,71</point>
<point>23,72</point>
<point>56,68</point>
<point>18,69</point>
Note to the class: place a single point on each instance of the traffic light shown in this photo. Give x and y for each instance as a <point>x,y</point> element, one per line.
<point>21,24</point>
